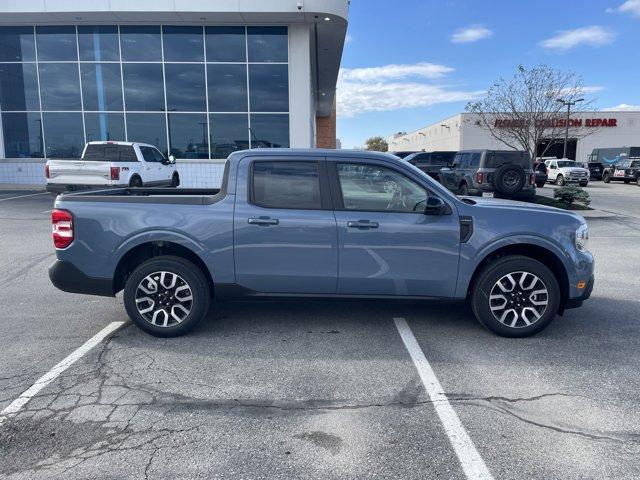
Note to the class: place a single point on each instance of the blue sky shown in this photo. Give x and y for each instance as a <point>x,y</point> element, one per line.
<point>410,63</point>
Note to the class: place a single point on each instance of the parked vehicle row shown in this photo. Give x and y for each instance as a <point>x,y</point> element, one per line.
<point>317,224</point>
<point>112,164</point>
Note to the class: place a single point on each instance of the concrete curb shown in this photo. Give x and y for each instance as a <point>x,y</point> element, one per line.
<point>23,186</point>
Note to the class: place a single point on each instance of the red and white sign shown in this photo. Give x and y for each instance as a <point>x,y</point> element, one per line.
<point>557,123</point>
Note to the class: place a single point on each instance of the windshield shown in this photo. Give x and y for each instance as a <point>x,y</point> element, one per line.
<point>567,163</point>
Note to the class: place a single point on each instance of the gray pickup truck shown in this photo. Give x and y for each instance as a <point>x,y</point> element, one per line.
<point>314,223</point>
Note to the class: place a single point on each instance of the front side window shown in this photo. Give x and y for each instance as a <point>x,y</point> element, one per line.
<point>379,189</point>
<point>147,154</point>
<point>290,185</point>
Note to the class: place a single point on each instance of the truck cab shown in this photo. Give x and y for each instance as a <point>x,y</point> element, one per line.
<point>112,164</point>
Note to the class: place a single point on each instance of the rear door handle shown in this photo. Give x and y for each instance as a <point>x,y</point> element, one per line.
<point>264,221</point>
<point>363,224</point>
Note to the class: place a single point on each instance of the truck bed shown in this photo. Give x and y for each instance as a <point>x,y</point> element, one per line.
<point>183,196</point>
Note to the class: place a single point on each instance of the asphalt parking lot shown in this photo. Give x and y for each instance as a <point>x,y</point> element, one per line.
<point>312,389</point>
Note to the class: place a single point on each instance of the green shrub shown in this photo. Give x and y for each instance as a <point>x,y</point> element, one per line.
<point>571,194</point>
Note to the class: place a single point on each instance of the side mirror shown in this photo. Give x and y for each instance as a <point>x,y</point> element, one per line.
<point>172,159</point>
<point>435,206</point>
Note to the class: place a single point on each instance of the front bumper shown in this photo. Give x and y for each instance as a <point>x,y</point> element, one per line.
<point>577,302</point>
<point>69,278</point>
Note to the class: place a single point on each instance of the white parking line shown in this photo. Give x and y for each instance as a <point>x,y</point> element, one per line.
<point>52,374</point>
<point>22,196</point>
<point>472,464</point>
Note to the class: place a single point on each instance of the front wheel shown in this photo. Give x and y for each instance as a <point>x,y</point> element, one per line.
<point>627,181</point>
<point>515,296</point>
<point>167,296</point>
<point>560,180</point>
<point>540,184</point>
<point>638,181</point>
<point>584,184</point>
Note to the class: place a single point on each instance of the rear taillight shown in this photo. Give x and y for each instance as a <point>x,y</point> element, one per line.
<point>115,173</point>
<point>46,171</point>
<point>532,180</point>
<point>480,177</point>
<point>62,222</point>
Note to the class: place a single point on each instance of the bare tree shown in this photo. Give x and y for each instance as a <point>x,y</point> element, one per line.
<point>377,144</point>
<point>523,111</point>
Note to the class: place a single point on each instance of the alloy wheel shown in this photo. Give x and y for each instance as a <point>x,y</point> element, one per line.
<point>519,299</point>
<point>164,299</point>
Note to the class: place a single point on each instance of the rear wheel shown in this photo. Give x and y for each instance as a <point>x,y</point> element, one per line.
<point>464,189</point>
<point>175,180</point>
<point>167,296</point>
<point>135,181</point>
<point>627,181</point>
<point>540,184</point>
<point>606,178</point>
<point>638,181</point>
<point>560,180</point>
<point>515,296</point>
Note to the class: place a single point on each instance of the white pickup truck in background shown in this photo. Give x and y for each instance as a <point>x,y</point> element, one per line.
<point>112,164</point>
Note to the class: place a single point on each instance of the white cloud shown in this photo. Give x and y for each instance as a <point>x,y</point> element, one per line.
<point>394,87</point>
<point>630,6</point>
<point>348,39</point>
<point>595,36</point>
<point>394,72</point>
<point>624,107</point>
<point>471,34</point>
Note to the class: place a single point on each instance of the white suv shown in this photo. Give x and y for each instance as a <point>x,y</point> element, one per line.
<point>563,170</point>
<point>112,164</point>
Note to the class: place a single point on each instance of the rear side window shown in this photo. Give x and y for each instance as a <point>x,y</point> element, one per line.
<point>290,185</point>
<point>475,160</point>
<point>111,153</point>
<point>464,161</point>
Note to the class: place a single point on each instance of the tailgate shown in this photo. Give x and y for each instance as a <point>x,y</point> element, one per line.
<point>79,172</point>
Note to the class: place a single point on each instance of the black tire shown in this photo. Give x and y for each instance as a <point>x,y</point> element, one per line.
<point>135,182</point>
<point>175,180</point>
<point>638,181</point>
<point>540,184</point>
<point>499,269</point>
<point>464,189</point>
<point>584,184</point>
<point>606,178</point>
<point>627,181</point>
<point>560,180</point>
<point>509,179</point>
<point>189,275</point>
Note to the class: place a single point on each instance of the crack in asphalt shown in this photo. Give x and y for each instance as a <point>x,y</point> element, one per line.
<point>94,410</point>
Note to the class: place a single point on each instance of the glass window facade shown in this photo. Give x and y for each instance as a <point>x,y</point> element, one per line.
<point>196,92</point>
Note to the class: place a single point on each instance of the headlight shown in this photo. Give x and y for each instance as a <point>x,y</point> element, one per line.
<point>582,238</point>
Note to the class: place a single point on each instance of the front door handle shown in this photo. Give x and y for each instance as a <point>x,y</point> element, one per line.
<point>264,221</point>
<point>362,224</point>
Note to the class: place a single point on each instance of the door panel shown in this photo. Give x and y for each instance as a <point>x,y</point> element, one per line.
<point>386,252</point>
<point>284,250</point>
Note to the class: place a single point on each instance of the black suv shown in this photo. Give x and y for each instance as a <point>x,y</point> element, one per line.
<point>431,162</point>
<point>626,171</point>
<point>502,173</point>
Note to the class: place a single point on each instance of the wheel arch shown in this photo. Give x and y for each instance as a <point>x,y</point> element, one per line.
<point>534,251</point>
<point>144,251</point>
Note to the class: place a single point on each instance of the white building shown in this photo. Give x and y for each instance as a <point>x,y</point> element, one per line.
<point>197,78</point>
<point>462,132</point>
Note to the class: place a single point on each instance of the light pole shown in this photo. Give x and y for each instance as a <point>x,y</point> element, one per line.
<point>566,127</point>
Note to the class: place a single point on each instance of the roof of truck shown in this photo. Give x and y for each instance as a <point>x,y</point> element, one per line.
<point>308,152</point>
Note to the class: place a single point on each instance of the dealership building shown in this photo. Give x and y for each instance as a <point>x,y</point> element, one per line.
<point>199,79</point>
<point>588,130</point>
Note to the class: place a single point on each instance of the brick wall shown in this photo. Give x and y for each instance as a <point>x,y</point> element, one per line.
<point>326,130</point>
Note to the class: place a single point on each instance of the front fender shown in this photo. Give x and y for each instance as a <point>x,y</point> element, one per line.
<point>472,256</point>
